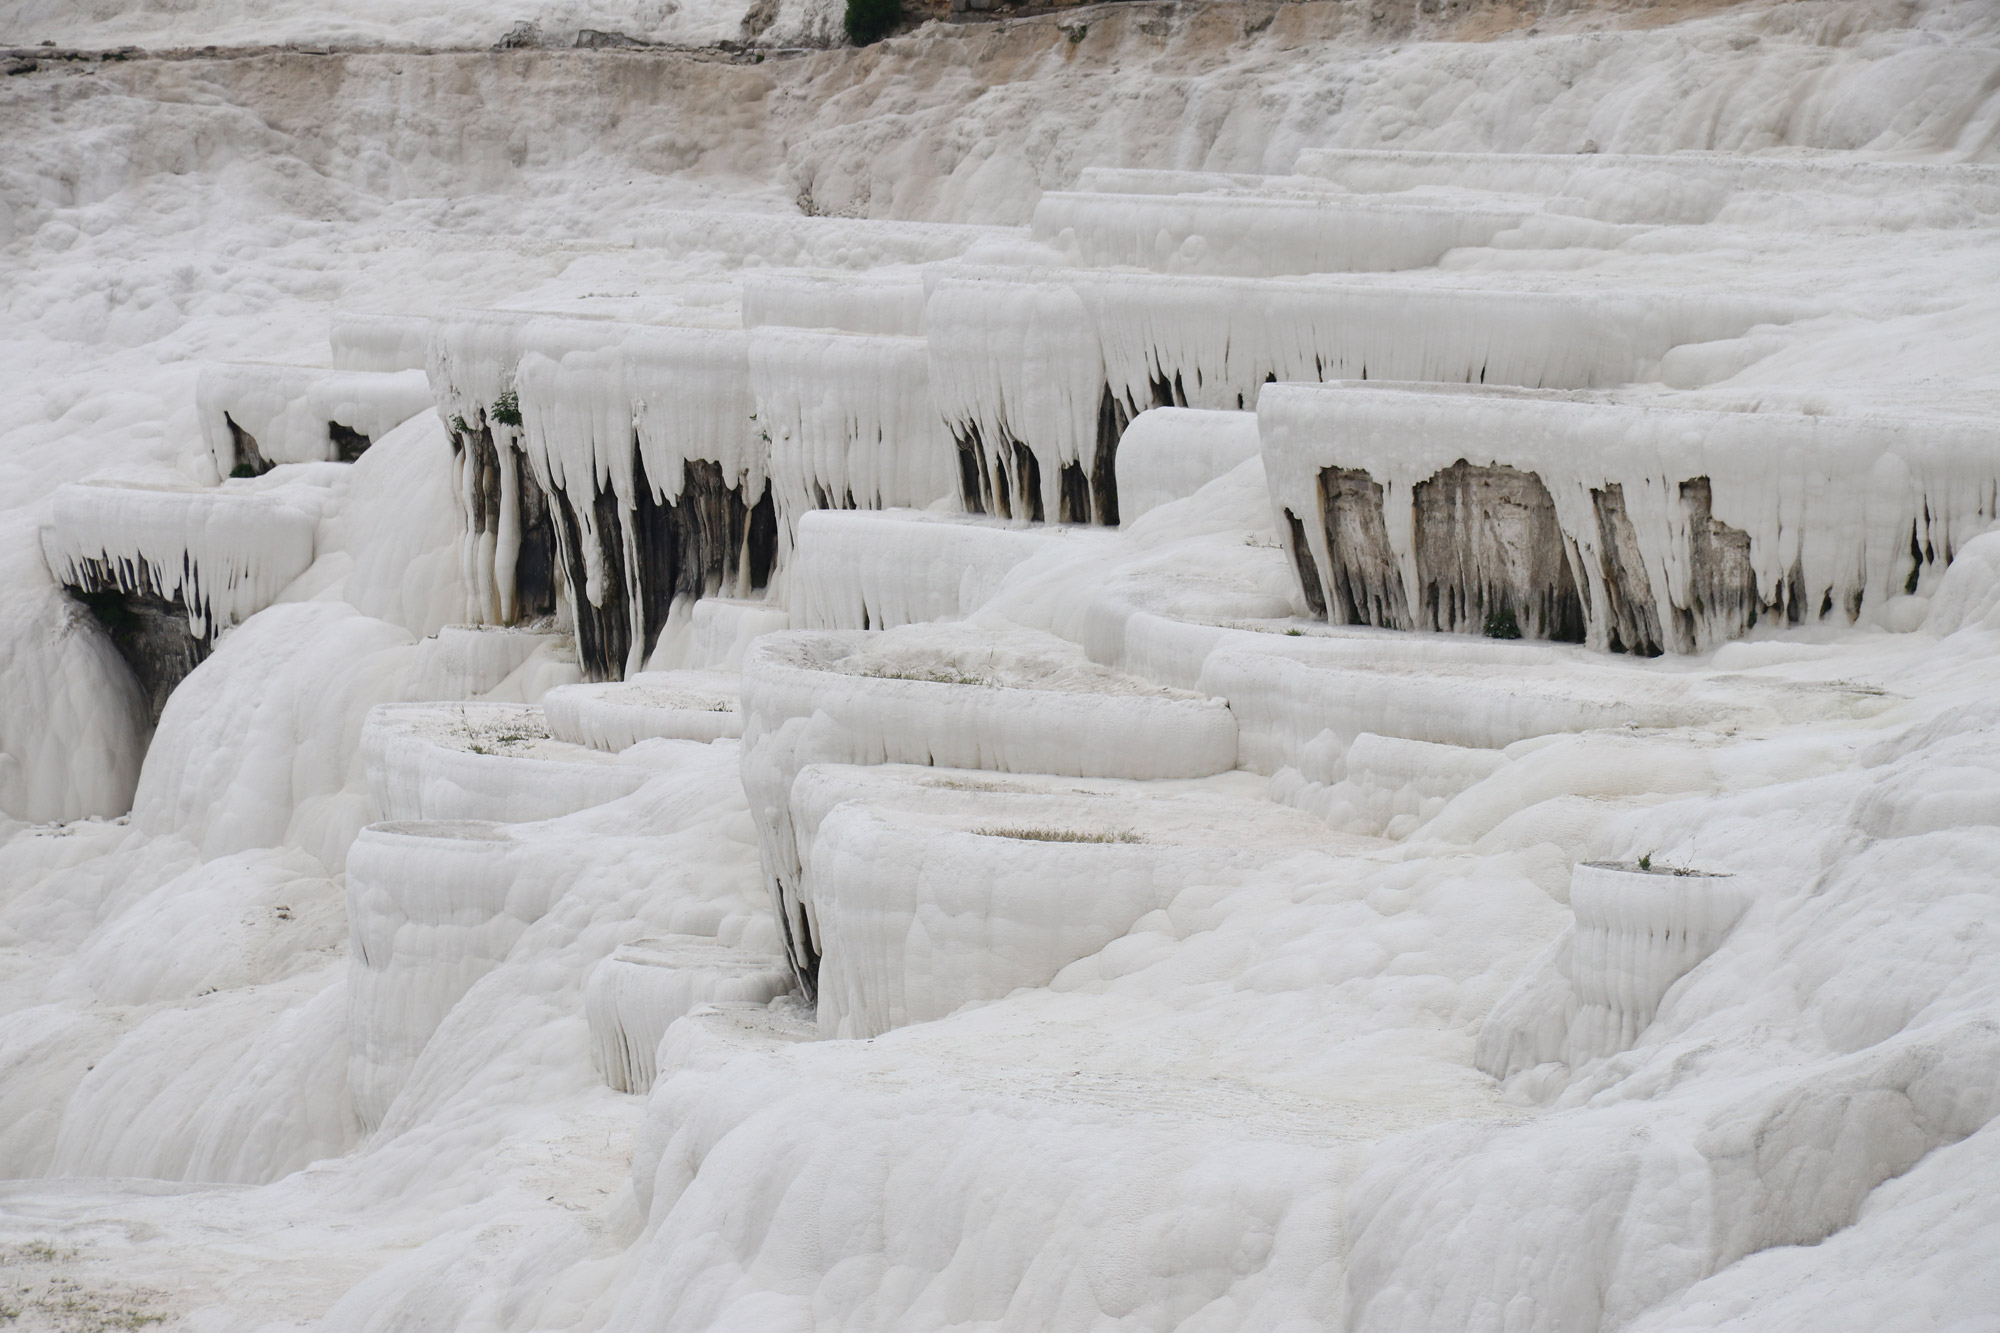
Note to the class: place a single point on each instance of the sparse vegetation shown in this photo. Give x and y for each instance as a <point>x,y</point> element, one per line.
<point>1061,834</point>
<point>507,409</point>
<point>1645,863</point>
<point>1502,624</point>
<point>69,1307</point>
<point>36,1252</point>
<point>497,738</point>
<point>941,675</point>
<point>64,1304</point>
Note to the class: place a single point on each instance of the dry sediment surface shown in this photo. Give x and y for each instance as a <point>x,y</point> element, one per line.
<point>956,121</point>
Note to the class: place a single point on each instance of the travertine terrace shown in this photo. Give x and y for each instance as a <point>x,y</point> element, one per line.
<point>1202,666</point>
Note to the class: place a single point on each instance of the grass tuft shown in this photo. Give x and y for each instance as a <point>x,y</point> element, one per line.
<point>61,1303</point>
<point>944,675</point>
<point>1060,834</point>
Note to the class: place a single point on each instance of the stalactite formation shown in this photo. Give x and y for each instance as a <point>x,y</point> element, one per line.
<point>710,540</point>
<point>1059,362</point>
<point>149,631</point>
<point>166,570</point>
<point>501,501</point>
<point>1639,530</point>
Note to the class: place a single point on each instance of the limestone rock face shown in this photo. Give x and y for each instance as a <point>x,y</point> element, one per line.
<point>1490,554</point>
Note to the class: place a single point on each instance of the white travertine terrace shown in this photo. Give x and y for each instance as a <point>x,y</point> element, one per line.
<point>221,555</point>
<point>1685,188</point>
<point>663,705</point>
<point>482,761</point>
<point>1052,674</point>
<point>1037,371</point>
<point>1636,935</point>
<point>381,343</point>
<point>1169,453</point>
<point>931,889</point>
<point>432,906</point>
<point>468,661</point>
<point>1260,236</point>
<point>859,570</point>
<point>850,421</point>
<point>1639,929</point>
<point>880,302</point>
<point>1013,703</point>
<point>637,993</point>
<point>255,415</point>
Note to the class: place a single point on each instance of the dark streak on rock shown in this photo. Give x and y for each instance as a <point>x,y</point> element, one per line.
<point>149,629</point>
<point>707,541</point>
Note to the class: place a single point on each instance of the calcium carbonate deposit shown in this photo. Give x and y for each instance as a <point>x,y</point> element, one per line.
<point>1192,665</point>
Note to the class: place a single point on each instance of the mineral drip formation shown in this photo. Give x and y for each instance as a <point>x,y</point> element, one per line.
<point>1633,529</point>
<point>630,453</point>
<point>167,570</point>
<point>1038,373</point>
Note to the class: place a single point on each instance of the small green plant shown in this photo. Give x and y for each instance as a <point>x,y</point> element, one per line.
<point>37,1252</point>
<point>507,408</point>
<point>1061,834</point>
<point>1076,32</point>
<point>870,21</point>
<point>243,470</point>
<point>458,426</point>
<point>1501,624</point>
<point>1295,633</point>
<point>59,1301</point>
<point>1646,861</point>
